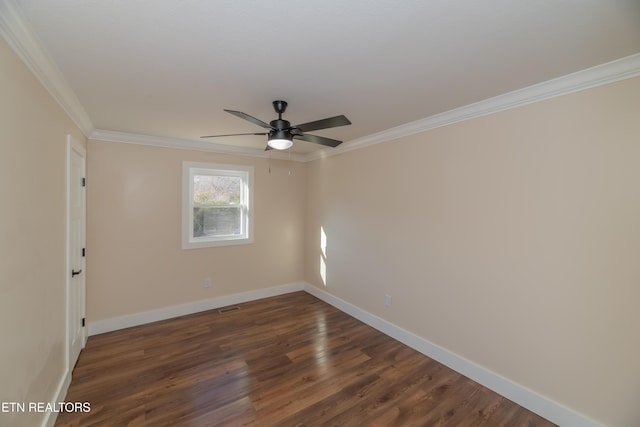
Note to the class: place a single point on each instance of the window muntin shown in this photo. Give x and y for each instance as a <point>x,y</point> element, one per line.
<point>217,205</point>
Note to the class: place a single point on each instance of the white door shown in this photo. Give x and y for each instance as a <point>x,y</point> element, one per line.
<point>76,336</point>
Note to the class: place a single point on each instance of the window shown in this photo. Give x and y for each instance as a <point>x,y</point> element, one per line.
<point>217,208</point>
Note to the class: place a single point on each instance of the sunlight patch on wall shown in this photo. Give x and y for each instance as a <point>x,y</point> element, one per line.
<point>323,256</point>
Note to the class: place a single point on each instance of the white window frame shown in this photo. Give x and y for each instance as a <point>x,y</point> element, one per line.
<point>189,169</point>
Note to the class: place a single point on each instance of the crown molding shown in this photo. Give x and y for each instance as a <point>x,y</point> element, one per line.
<point>186,144</point>
<point>17,32</point>
<point>610,72</point>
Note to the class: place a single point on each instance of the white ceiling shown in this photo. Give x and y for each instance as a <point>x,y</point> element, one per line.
<point>168,68</point>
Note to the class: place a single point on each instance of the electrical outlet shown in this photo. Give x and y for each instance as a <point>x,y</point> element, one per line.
<point>207,282</point>
<point>387,300</point>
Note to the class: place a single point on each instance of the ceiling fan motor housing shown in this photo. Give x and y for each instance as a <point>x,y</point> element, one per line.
<point>280,133</point>
<point>280,124</point>
<point>281,128</point>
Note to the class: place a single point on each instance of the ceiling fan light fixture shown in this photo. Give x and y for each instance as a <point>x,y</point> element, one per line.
<point>279,144</point>
<point>280,140</point>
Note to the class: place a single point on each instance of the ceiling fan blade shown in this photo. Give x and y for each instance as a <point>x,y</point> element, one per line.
<point>234,134</point>
<point>250,118</point>
<point>331,122</point>
<point>318,140</point>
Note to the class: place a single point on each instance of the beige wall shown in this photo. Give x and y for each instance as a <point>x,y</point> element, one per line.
<point>135,259</point>
<point>33,131</point>
<point>512,240</point>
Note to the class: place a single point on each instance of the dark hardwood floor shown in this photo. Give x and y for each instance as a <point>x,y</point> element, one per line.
<point>290,360</point>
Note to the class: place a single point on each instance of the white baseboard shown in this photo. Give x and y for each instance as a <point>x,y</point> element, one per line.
<point>545,407</point>
<point>61,393</point>
<point>136,319</point>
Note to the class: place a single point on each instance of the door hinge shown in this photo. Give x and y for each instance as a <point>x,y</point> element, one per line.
<point>84,182</point>
<point>83,252</point>
<point>83,322</point>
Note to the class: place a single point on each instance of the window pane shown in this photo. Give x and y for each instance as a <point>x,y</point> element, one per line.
<point>216,210</point>
<point>216,190</point>
<point>211,221</point>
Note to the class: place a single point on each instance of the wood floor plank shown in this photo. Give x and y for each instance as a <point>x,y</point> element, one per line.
<point>290,360</point>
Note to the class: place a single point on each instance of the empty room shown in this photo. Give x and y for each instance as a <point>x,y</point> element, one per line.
<point>320,213</point>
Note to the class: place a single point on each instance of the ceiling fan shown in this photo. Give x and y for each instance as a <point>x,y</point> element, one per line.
<point>281,134</point>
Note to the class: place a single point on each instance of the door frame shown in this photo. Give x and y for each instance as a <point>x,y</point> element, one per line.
<point>74,145</point>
